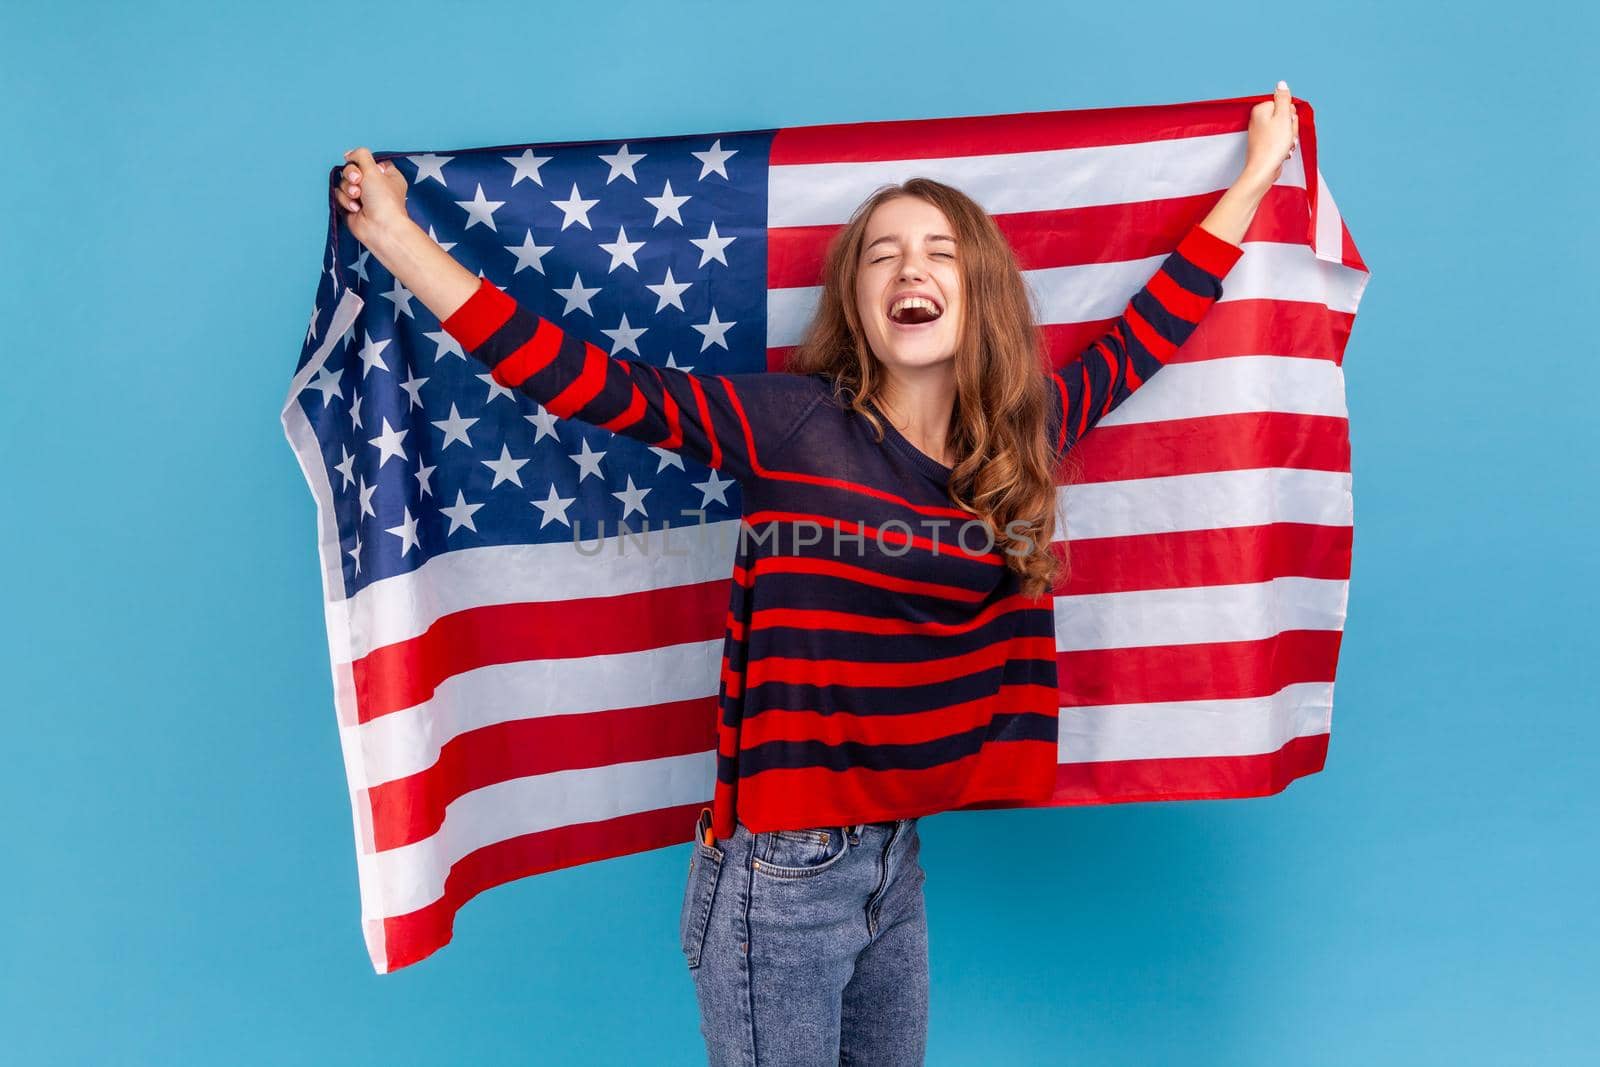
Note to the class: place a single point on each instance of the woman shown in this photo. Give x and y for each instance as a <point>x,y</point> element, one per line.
<point>889,651</point>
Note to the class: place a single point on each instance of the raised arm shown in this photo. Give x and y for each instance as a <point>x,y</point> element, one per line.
<point>726,421</point>
<point>1163,314</point>
<point>1156,322</point>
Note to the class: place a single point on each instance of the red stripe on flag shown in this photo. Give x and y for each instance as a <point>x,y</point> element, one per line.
<point>1223,670</point>
<point>412,808</point>
<point>986,135</point>
<point>1188,778</point>
<point>418,934</point>
<point>1186,559</point>
<point>406,673</point>
<point>1248,441</point>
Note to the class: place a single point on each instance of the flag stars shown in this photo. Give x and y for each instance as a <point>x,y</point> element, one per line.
<point>505,468</point>
<point>455,429</point>
<point>422,474</point>
<point>626,337</point>
<point>553,508</point>
<point>712,246</point>
<point>388,443</point>
<point>622,251</point>
<point>407,532</point>
<point>430,165</point>
<point>667,459</point>
<point>527,166</point>
<point>714,331</point>
<point>496,389</point>
<point>479,209</point>
<point>364,492</point>
<point>575,209</point>
<point>371,355</point>
<point>400,296</point>
<point>632,499</point>
<point>344,467</point>
<point>328,383</point>
<point>667,205</point>
<point>446,344</point>
<point>360,265</point>
<point>668,292</point>
<point>577,297</point>
<point>588,461</point>
<point>529,254</point>
<point>413,387</point>
<point>715,160</point>
<point>621,164</point>
<point>460,514</point>
<point>355,553</point>
<point>545,424</point>
<point>714,486</point>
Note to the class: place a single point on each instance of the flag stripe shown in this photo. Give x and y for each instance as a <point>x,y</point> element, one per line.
<point>1208,670</point>
<point>407,810</point>
<point>1030,131</point>
<point>398,676</point>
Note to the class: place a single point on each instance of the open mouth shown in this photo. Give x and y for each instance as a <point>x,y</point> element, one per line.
<point>914,311</point>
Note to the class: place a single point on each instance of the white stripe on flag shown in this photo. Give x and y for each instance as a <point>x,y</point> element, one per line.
<point>1250,611</point>
<point>1211,501</point>
<point>1179,729</point>
<point>1234,385</point>
<point>403,605</point>
<point>411,876</point>
<point>1268,270</point>
<point>824,194</point>
<point>409,741</point>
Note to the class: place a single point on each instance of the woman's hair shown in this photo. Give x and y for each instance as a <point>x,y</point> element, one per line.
<point>1005,466</point>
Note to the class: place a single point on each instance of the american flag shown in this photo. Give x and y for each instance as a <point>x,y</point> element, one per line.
<point>525,613</point>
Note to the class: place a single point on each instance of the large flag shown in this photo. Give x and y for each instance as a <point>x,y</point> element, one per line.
<point>525,613</point>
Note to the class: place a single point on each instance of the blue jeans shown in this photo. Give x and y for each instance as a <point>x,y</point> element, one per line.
<point>809,947</point>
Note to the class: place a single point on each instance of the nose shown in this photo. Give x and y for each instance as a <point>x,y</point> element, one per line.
<point>911,270</point>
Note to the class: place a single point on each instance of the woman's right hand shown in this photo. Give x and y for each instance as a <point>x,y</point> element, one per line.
<point>373,196</point>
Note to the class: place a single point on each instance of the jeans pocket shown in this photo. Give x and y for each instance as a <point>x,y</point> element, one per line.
<point>800,853</point>
<point>705,871</point>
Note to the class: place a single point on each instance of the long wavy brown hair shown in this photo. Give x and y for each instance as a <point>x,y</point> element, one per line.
<point>1004,472</point>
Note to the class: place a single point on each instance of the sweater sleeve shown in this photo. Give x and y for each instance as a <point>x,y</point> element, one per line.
<point>1156,322</point>
<point>730,422</point>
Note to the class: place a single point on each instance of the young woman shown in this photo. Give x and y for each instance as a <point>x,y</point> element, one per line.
<point>889,651</point>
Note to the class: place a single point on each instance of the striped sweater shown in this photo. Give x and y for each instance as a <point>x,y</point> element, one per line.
<point>879,661</point>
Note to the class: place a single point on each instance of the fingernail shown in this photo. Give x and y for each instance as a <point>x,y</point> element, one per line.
<point>1283,84</point>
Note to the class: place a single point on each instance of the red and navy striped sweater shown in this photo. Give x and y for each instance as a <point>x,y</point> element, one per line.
<point>879,661</point>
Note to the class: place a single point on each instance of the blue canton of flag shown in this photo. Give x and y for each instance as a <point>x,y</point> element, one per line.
<point>653,250</point>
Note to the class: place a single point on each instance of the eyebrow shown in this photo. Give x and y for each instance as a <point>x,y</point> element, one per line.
<point>931,237</point>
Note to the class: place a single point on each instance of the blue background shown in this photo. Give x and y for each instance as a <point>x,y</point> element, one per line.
<point>178,882</point>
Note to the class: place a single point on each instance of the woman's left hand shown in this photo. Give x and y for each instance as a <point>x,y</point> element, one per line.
<point>1273,135</point>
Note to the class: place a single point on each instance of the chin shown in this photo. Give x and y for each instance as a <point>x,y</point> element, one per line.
<point>924,352</point>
